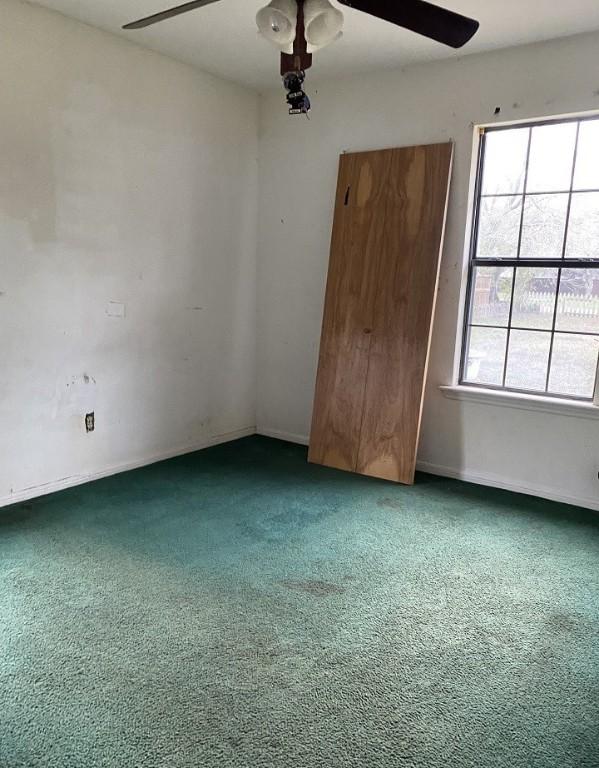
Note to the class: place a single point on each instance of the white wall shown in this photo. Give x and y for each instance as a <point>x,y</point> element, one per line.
<point>124,177</point>
<point>552,455</point>
<point>127,177</point>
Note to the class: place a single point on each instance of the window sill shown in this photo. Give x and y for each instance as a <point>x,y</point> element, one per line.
<point>563,407</point>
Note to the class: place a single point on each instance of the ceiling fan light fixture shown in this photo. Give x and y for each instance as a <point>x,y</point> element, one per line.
<point>277,23</point>
<point>300,27</point>
<point>323,24</point>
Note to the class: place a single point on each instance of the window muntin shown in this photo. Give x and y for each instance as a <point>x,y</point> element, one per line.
<point>532,320</point>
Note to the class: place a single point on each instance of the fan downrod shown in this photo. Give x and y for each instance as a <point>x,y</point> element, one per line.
<point>294,66</point>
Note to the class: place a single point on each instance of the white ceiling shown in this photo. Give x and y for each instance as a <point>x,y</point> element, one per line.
<point>222,38</point>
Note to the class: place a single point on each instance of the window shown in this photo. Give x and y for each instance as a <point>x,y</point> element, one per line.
<point>532,321</point>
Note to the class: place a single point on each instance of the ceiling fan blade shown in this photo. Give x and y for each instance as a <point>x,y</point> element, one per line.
<point>426,19</point>
<point>156,17</point>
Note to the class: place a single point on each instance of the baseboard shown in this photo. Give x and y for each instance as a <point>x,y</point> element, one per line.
<point>69,482</point>
<point>291,437</point>
<point>423,466</point>
<point>494,481</point>
<point>478,478</point>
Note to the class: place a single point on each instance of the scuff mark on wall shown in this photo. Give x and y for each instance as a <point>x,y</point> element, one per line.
<point>74,397</point>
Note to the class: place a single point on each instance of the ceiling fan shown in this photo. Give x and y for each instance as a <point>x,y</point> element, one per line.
<point>300,27</point>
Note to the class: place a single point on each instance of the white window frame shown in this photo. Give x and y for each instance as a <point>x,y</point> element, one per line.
<point>502,395</point>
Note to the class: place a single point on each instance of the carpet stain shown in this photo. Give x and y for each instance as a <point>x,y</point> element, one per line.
<point>388,503</point>
<point>315,587</point>
<point>564,623</point>
<point>240,607</point>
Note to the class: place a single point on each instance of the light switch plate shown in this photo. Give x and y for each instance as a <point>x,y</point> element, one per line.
<point>115,309</point>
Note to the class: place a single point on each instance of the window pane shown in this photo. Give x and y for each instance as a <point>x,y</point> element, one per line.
<point>536,328</point>
<point>573,365</point>
<point>486,355</point>
<point>499,227</point>
<point>491,294</point>
<point>587,156</point>
<point>551,158</point>
<point>505,161</point>
<point>527,360</point>
<point>534,297</point>
<point>578,304</point>
<point>583,227</point>
<point>544,226</point>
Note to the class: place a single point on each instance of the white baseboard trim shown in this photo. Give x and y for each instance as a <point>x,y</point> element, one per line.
<point>291,437</point>
<point>69,482</point>
<point>499,482</point>
<point>423,466</point>
<point>469,477</point>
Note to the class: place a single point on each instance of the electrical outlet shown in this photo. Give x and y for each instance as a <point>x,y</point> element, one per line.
<point>90,422</point>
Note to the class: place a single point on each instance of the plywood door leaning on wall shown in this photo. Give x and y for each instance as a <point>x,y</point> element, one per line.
<point>383,271</point>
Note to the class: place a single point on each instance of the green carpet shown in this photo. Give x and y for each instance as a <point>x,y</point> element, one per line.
<point>239,607</point>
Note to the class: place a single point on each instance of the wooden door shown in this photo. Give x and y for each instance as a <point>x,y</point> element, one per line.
<point>385,251</point>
